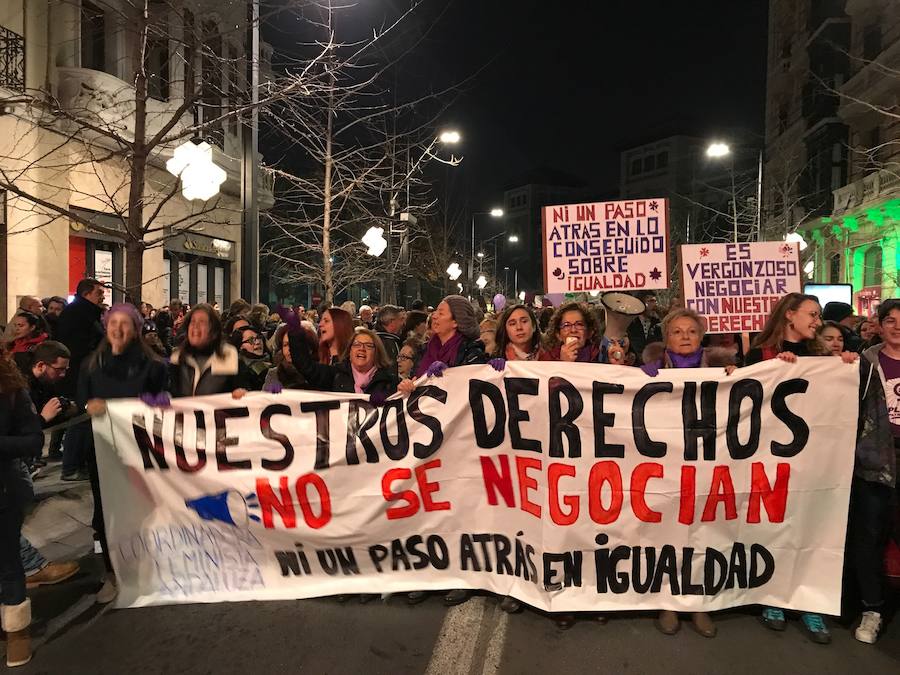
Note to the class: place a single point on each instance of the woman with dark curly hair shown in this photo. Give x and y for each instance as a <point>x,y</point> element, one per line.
<point>572,335</point>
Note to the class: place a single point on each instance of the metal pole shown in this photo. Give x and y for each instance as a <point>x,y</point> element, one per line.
<point>517,282</point>
<point>472,255</point>
<point>734,201</point>
<point>759,187</point>
<point>250,167</point>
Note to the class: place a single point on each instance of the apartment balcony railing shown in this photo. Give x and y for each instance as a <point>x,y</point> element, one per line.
<point>865,191</point>
<point>12,60</point>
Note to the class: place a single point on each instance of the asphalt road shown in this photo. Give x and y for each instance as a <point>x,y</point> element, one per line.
<point>324,636</point>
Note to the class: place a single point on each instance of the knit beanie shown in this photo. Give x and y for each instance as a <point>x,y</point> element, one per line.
<point>464,315</point>
<point>836,311</point>
<point>130,310</point>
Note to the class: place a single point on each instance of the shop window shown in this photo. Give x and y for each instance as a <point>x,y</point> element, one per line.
<point>872,267</point>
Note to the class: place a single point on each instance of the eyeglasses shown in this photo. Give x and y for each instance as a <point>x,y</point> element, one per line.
<point>59,369</point>
<point>569,325</point>
<point>368,346</point>
<point>404,357</point>
<point>252,341</point>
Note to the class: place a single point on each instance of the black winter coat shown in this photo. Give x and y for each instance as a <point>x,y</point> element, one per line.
<point>80,330</point>
<point>337,377</point>
<point>20,436</point>
<point>127,375</point>
<point>220,374</point>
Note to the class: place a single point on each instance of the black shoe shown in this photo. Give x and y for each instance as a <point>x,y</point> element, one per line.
<point>75,476</point>
<point>39,463</point>
<point>564,620</point>
<point>510,605</point>
<point>415,597</point>
<point>54,456</point>
<point>457,597</point>
<point>366,598</point>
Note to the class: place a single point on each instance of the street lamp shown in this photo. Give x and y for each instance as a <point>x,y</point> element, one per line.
<point>454,271</point>
<point>495,212</point>
<point>450,137</point>
<point>513,239</point>
<point>481,282</point>
<point>375,241</point>
<point>200,177</point>
<point>717,150</point>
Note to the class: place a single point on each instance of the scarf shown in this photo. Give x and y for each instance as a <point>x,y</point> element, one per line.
<point>361,379</point>
<point>23,345</point>
<point>513,353</point>
<point>587,354</point>
<point>685,360</point>
<point>435,351</point>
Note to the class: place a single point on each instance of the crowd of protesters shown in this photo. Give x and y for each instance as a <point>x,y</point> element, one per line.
<point>61,361</point>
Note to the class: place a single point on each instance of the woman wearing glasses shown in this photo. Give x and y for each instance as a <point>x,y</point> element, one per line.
<point>251,348</point>
<point>364,369</point>
<point>409,354</point>
<point>572,335</point>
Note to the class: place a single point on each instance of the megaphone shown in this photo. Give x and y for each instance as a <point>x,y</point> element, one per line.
<point>228,507</point>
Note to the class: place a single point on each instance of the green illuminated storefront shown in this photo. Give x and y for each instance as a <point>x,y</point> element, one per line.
<point>859,243</point>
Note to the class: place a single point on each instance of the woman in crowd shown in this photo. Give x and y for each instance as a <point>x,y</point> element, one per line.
<point>832,337</point>
<point>572,335</point>
<point>791,332</point>
<point>205,363</point>
<point>335,333</point>
<point>121,367</point>
<point>518,337</point>
<point>868,332</point>
<point>364,369</point>
<point>408,356</point>
<point>682,331</point>
<point>29,330</point>
<point>20,437</point>
<point>454,343</point>
<point>251,347</point>
<point>416,324</point>
<point>284,375</point>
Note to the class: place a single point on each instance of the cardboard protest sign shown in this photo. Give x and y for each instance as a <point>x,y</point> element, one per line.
<point>606,246</point>
<point>570,486</point>
<point>734,286</point>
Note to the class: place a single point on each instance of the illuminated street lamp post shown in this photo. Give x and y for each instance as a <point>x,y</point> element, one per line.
<point>493,213</point>
<point>717,150</point>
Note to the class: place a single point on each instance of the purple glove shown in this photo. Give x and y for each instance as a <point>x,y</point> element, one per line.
<point>291,319</point>
<point>436,369</point>
<point>378,397</point>
<point>273,387</point>
<point>160,400</point>
<point>498,364</point>
<point>651,369</point>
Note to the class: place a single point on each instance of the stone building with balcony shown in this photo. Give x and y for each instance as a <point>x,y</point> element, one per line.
<point>67,90</point>
<point>857,240</point>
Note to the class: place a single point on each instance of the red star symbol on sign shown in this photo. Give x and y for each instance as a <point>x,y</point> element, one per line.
<point>786,250</point>
<point>655,273</point>
<point>654,206</point>
<point>704,252</point>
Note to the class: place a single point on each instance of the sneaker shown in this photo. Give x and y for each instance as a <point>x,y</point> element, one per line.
<point>52,574</point>
<point>868,628</point>
<point>457,597</point>
<point>815,626</point>
<point>108,591</point>
<point>773,618</point>
<point>75,476</point>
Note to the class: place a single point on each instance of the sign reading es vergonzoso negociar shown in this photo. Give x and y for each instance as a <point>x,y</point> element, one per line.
<point>734,286</point>
<point>606,246</point>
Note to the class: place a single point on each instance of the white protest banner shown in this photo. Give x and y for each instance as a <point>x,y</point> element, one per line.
<point>569,486</point>
<point>734,286</point>
<point>606,246</point>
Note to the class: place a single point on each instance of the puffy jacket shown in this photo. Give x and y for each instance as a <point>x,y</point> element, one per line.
<point>471,352</point>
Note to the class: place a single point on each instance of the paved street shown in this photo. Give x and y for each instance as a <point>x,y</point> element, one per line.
<point>324,636</point>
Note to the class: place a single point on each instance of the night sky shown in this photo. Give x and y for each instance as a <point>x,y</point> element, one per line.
<point>568,85</point>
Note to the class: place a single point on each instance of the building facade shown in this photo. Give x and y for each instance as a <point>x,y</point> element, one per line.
<point>832,142</point>
<point>67,94</point>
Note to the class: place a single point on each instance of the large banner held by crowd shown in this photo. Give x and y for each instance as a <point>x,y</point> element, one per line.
<point>606,246</point>
<point>569,486</point>
<point>734,286</point>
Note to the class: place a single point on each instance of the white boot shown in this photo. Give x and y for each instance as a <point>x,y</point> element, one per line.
<point>15,620</point>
